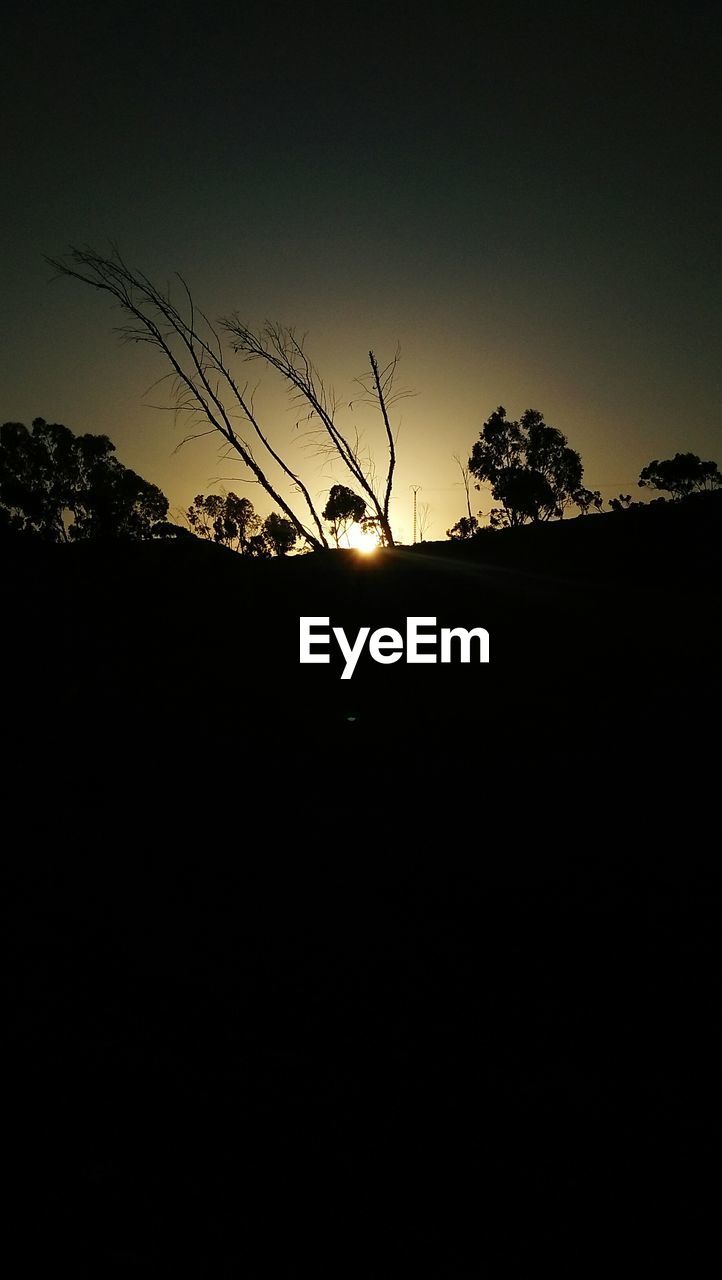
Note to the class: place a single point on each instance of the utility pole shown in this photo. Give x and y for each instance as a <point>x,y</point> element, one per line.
<point>416,488</point>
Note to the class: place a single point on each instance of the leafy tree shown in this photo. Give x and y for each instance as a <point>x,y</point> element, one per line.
<point>112,501</point>
<point>466,527</point>
<point>622,502</point>
<point>585,499</point>
<point>37,477</point>
<point>683,474</point>
<point>232,522</point>
<point>370,524</point>
<point>63,487</point>
<point>344,508</point>
<point>172,532</point>
<point>227,519</point>
<point>257,546</point>
<point>532,471</point>
<point>279,533</point>
<point>525,495</point>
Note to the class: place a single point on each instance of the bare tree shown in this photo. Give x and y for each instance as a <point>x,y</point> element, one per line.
<point>424,520</point>
<point>466,479</point>
<point>280,348</point>
<point>204,386</point>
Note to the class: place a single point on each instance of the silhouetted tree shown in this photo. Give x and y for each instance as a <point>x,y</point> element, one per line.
<point>48,475</point>
<point>370,524</point>
<point>465,480</point>
<point>279,533</point>
<point>622,502</point>
<point>532,471</point>
<point>205,387</point>
<point>525,495</point>
<point>38,477</point>
<point>114,501</point>
<point>257,546</point>
<point>424,520</point>
<point>585,499</point>
<point>226,518</point>
<point>466,527</point>
<point>683,474</point>
<point>344,508</point>
<point>169,531</point>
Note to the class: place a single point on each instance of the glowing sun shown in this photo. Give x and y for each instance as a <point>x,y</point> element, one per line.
<point>362,539</point>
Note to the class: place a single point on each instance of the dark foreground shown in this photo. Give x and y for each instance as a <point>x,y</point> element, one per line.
<point>415,973</point>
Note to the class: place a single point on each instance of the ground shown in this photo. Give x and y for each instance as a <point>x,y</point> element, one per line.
<point>411,972</point>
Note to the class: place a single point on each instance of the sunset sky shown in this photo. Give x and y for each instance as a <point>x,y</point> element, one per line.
<point>527,198</point>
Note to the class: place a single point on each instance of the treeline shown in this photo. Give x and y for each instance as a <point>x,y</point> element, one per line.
<point>66,488</point>
<point>535,476</point>
<point>233,522</point>
<point>60,487</point>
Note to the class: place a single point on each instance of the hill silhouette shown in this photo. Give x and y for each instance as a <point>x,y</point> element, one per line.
<point>150,645</point>
<point>416,967</point>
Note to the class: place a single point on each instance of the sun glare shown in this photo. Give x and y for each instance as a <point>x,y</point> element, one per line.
<point>362,539</point>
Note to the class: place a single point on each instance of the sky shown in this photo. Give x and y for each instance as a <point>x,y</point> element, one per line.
<point>526,198</point>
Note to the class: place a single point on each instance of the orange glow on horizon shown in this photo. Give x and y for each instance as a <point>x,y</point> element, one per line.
<point>362,540</point>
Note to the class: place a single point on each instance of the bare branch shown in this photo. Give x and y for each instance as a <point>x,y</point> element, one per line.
<point>465,476</point>
<point>199,367</point>
<point>384,383</point>
<point>202,383</point>
<point>280,348</point>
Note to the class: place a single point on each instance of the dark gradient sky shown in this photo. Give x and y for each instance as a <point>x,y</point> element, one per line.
<point>527,198</point>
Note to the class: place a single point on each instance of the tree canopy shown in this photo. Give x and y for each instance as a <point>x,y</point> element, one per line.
<point>465,527</point>
<point>344,508</point>
<point>232,522</point>
<point>63,487</point>
<point>531,469</point>
<point>683,474</point>
<point>226,518</point>
<point>279,533</point>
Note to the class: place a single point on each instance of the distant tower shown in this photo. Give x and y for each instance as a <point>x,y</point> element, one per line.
<point>415,488</point>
